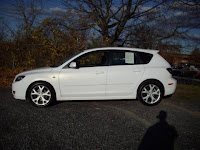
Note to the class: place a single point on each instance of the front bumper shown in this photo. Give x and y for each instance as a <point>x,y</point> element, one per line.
<point>18,90</point>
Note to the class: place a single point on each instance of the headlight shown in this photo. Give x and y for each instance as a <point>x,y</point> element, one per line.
<point>19,78</point>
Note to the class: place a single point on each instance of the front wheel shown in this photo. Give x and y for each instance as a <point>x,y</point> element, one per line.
<point>41,94</point>
<point>150,93</point>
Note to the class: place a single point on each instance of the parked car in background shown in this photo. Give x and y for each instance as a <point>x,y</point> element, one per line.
<point>99,74</point>
<point>177,72</point>
<point>190,72</point>
<point>197,75</point>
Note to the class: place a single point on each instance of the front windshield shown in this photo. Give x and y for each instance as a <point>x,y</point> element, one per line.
<point>62,62</point>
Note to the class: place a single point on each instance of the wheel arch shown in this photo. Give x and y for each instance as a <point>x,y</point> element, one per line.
<point>147,80</point>
<point>39,81</point>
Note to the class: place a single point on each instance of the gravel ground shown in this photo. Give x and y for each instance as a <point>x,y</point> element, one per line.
<point>95,125</point>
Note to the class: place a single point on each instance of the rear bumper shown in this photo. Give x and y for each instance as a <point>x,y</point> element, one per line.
<point>170,86</point>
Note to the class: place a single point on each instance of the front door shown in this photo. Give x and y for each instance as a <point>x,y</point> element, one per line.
<point>88,79</point>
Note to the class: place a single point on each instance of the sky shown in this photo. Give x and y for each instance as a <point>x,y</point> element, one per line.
<point>49,3</point>
<point>50,7</point>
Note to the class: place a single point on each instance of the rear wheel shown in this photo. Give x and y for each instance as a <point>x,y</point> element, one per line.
<point>150,93</point>
<point>41,94</point>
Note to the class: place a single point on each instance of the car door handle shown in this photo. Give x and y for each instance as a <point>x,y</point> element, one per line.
<point>99,72</point>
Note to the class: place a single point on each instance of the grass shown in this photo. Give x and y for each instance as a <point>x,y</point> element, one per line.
<point>187,94</point>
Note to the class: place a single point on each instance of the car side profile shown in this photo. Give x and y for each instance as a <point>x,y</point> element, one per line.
<point>99,74</point>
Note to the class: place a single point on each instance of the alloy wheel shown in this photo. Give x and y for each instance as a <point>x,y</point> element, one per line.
<point>150,94</point>
<point>40,95</point>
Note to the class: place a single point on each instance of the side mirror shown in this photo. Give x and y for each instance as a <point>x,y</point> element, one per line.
<point>72,65</point>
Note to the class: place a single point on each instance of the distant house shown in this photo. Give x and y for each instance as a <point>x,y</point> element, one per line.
<point>172,53</point>
<point>175,59</point>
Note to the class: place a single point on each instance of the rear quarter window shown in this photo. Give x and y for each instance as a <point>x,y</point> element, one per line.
<point>144,57</point>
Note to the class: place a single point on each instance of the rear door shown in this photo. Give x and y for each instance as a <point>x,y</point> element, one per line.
<point>123,73</point>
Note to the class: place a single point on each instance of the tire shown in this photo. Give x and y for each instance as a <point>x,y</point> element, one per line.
<point>41,94</point>
<point>150,93</point>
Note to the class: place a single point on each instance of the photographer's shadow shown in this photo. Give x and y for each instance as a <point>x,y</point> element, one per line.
<point>160,136</point>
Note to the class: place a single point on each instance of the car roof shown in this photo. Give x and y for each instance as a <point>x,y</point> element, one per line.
<point>124,48</point>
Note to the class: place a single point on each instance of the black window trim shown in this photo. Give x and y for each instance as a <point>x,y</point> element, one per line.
<point>109,58</point>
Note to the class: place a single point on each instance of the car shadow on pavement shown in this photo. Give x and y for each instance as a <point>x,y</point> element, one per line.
<point>86,101</point>
<point>160,136</point>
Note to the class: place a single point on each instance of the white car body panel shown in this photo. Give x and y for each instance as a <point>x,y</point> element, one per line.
<point>83,82</point>
<point>98,83</point>
<point>121,80</point>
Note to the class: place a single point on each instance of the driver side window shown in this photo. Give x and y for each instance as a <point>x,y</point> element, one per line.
<point>92,59</point>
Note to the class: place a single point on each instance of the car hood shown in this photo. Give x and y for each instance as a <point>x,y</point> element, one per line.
<point>38,70</point>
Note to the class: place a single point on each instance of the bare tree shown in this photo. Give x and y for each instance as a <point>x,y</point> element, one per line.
<point>187,16</point>
<point>27,12</point>
<point>110,18</point>
<point>24,13</point>
<point>140,23</point>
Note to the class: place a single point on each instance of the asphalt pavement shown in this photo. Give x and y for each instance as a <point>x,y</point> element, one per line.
<point>96,125</point>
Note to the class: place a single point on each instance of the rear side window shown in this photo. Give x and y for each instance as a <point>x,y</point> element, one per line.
<point>123,58</point>
<point>130,58</point>
<point>145,58</point>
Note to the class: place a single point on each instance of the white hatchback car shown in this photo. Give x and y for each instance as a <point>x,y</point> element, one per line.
<point>99,74</point>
